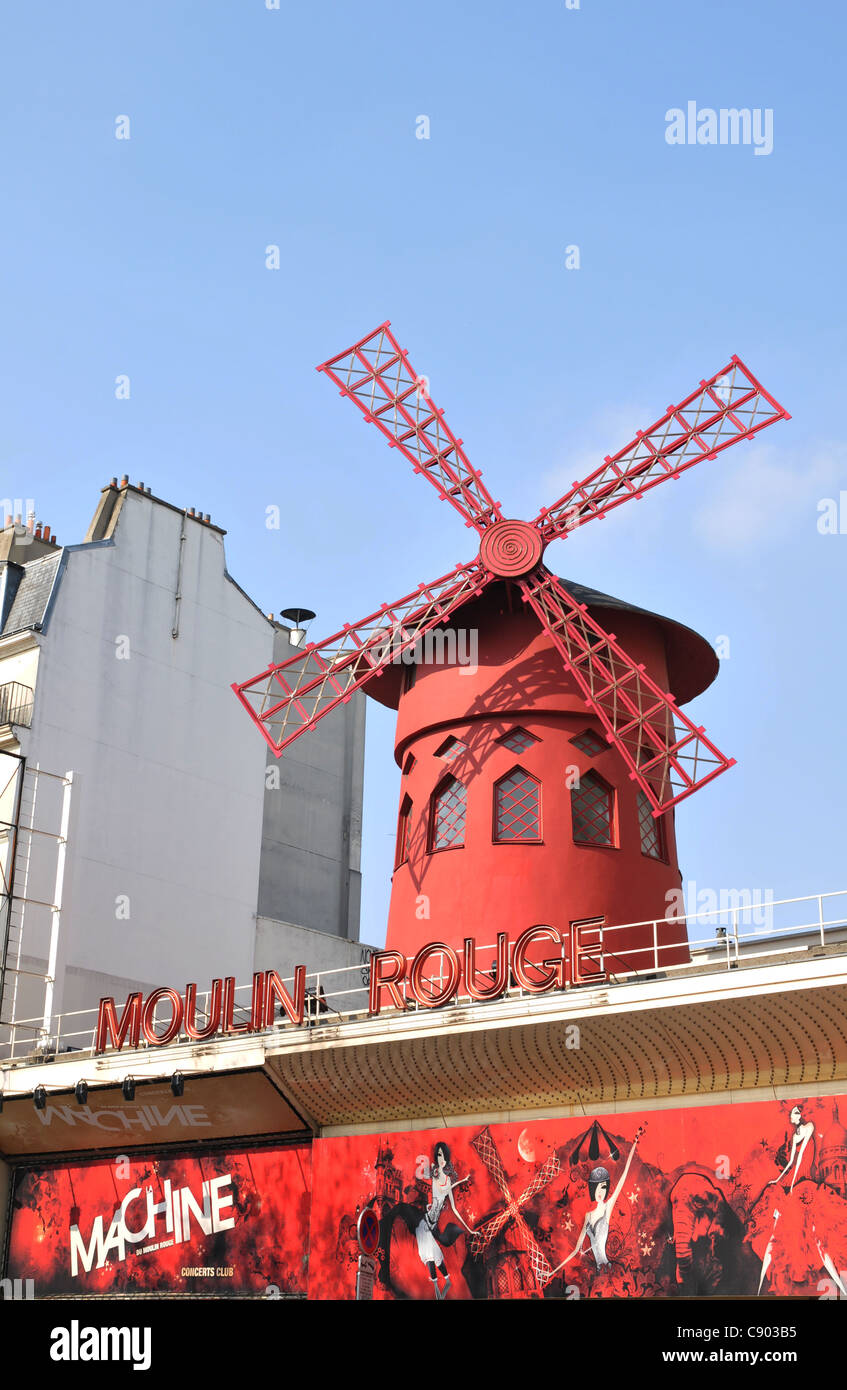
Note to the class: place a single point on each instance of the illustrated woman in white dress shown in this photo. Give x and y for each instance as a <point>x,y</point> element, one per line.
<point>595,1227</point>
<point>444,1182</point>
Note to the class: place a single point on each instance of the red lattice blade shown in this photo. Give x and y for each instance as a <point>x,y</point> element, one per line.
<point>667,755</point>
<point>288,698</point>
<point>730,406</point>
<point>378,377</point>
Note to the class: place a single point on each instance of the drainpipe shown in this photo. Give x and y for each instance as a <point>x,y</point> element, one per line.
<point>178,593</point>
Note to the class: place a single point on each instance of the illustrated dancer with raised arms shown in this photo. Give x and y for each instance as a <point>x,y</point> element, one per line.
<point>595,1227</point>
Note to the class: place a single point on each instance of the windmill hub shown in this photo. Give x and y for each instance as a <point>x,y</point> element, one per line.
<point>511,548</point>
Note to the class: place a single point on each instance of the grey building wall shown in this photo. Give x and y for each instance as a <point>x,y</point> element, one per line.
<point>310,870</point>
<point>281,946</point>
<point>172,811</point>
<point>166,805</point>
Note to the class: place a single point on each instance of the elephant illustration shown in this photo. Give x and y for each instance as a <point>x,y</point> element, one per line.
<point>711,1256</point>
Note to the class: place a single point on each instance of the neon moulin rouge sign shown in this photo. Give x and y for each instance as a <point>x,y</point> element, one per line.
<point>431,978</point>
<point>138,1022</point>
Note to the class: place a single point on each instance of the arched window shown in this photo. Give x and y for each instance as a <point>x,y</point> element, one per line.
<point>517,740</point>
<point>590,743</point>
<point>447,822</point>
<point>404,825</point>
<point>517,807</point>
<point>593,811</point>
<point>450,749</point>
<point>652,831</point>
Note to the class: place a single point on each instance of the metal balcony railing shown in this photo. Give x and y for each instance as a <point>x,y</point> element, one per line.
<point>16,704</point>
<point>735,935</point>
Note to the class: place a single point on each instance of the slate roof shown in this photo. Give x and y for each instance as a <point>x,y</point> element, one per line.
<point>34,589</point>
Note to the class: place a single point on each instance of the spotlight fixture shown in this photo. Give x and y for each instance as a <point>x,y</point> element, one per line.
<point>128,1088</point>
<point>39,1098</point>
<point>81,1092</point>
<point>177,1083</point>
<point>299,617</point>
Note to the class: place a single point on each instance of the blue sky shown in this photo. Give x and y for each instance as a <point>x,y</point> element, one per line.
<point>296,127</point>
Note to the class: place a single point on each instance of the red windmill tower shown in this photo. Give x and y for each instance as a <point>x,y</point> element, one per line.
<point>553,761</point>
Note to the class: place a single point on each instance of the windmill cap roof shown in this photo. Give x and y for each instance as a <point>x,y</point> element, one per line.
<point>692,661</point>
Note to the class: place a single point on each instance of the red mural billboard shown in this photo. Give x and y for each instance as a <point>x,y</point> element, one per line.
<point>709,1201</point>
<point>726,1200</point>
<point>214,1222</point>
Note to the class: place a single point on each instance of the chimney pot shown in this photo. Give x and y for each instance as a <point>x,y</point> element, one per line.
<point>47,533</point>
<point>114,482</point>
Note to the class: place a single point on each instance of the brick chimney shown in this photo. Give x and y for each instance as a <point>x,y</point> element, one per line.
<point>21,541</point>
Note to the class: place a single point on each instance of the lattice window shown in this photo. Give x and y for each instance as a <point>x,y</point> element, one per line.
<point>590,743</point>
<point>517,807</point>
<point>404,825</point>
<point>450,749</point>
<point>593,811</point>
<point>517,740</point>
<point>652,831</point>
<point>449,806</point>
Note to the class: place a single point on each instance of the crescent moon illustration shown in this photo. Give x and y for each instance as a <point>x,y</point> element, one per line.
<point>526,1148</point>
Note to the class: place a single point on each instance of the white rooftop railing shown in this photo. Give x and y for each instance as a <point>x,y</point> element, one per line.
<point>730,936</point>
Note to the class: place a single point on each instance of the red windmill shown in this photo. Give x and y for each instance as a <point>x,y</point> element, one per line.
<point>558,663</point>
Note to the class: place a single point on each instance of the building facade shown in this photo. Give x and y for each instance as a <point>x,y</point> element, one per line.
<point>150,830</point>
